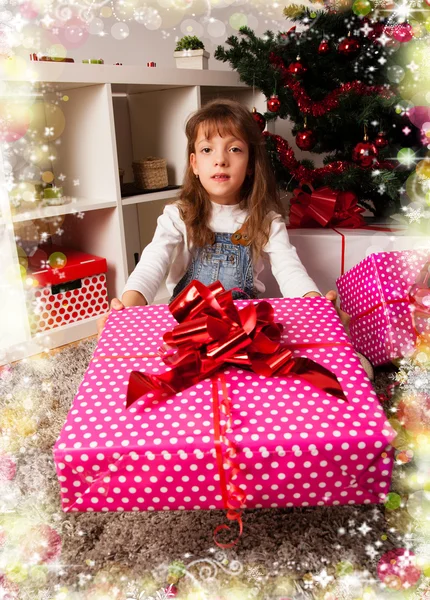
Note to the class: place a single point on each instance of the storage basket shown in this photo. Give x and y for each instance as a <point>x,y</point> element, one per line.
<point>150,173</point>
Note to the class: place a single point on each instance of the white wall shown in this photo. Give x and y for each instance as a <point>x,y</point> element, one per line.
<point>143,43</point>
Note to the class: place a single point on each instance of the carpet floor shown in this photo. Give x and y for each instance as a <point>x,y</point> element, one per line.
<point>283,553</point>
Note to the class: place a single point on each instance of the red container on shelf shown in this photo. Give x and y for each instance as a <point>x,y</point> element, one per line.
<point>64,286</point>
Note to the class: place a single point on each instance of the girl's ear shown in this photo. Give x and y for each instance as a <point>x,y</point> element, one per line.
<point>249,172</point>
<point>193,163</point>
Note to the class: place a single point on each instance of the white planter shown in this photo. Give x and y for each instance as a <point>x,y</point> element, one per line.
<point>191,59</point>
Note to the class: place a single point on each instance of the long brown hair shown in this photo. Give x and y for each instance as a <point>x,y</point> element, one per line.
<point>259,193</point>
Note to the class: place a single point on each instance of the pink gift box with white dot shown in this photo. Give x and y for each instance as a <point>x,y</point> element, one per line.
<point>297,445</point>
<point>375,294</point>
<point>67,286</point>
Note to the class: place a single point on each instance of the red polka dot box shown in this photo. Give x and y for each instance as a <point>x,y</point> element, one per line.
<point>296,445</point>
<point>376,293</point>
<point>68,286</point>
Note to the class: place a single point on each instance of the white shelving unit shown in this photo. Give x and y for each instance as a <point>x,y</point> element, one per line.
<point>113,115</point>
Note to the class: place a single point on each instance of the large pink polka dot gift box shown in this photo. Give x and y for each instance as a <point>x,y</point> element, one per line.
<point>296,444</point>
<point>387,311</point>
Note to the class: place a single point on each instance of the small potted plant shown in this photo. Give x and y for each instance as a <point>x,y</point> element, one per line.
<point>190,53</point>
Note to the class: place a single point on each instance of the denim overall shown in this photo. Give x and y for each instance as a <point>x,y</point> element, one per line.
<point>224,261</point>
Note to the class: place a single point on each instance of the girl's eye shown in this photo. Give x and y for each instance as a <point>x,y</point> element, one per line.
<point>234,149</point>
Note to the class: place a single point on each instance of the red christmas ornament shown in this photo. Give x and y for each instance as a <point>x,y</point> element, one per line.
<point>401,32</point>
<point>380,141</point>
<point>297,68</point>
<point>349,47</point>
<point>259,119</point>
<point>323,48</point>
<point>375,32</point>
<point>365,153</point>
<point>273,103</point>
<point>306,139</point>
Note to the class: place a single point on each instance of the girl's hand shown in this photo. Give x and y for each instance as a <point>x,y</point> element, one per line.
<point>344,317</point>
<point>115,304</point>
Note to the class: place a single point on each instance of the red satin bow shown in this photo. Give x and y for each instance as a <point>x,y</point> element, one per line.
<point>324,206</point>
<point>213,333</point>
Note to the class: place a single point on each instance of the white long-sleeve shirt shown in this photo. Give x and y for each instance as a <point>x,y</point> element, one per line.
<point>169,253</point>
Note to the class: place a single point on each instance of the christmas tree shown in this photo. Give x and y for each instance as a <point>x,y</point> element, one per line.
<point>335,81</point>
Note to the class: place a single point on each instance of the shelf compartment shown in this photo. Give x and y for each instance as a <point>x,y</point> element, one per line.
<point>82,232</point>
<point>69,143</point>
<point>87,152</point>
<point>140,222</point>
<point>146,125</point>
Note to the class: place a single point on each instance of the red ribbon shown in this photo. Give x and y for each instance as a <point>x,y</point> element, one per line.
<point>233,496</point>
<point>419,297</point>
<point>213,333</point>
<point>342,250</point>
<point>376,306</point>
<point>323,207</point>
<point>343,246</point>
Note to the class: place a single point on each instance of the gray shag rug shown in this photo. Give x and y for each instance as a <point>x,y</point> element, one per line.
<point>281,553</point>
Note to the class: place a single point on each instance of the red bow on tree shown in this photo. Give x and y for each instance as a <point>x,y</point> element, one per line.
<point>213,333</point>
<point>323,207</point>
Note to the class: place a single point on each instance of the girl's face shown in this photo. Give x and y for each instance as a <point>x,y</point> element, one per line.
<point>221,164</point>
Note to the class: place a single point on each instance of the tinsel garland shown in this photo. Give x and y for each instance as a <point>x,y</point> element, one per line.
<point>302,173</point>
<point>331,101</point>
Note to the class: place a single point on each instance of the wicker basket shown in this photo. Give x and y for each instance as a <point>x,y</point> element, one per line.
<point>150,173</point>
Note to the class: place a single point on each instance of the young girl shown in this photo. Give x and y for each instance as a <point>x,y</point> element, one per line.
<point>227,214</point>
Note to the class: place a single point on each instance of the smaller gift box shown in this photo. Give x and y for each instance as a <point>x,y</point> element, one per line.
<point>386,296</point>
<point>66,286</point>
